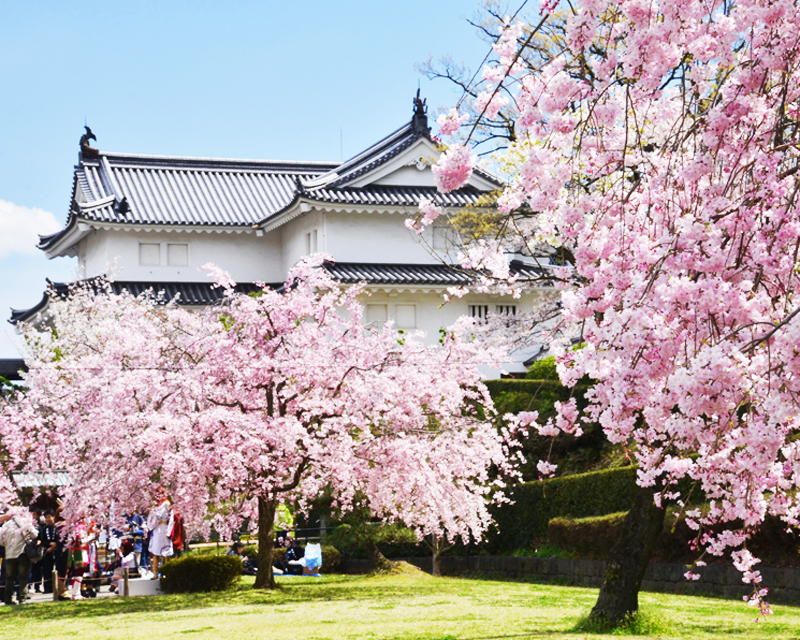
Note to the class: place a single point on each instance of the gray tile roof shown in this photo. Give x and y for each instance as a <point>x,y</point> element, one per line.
<point>10,368</point>
<point>188,191</point>
<point>378,154</point>
<point>204,293</point>
<point>57,478</point>
<point>133,189</point>
<point>430,274</point>
<point>395,196</point>
<point>414,274</point>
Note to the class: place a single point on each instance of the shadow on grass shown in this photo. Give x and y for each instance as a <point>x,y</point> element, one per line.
<point>338,588</point>
<point>640,623</point>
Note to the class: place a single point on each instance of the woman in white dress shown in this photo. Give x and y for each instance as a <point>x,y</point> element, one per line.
<point>160,524</point>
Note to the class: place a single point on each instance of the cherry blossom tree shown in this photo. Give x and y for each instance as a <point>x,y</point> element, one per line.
<point>265,399</point>
<point>9,458</point>
<point>657,154</point>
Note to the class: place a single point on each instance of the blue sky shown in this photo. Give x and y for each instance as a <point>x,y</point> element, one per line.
<point>308,80</point>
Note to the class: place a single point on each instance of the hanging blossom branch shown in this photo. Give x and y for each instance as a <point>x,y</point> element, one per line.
<point>659,151</point>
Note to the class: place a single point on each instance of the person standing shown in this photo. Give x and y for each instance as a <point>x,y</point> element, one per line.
<point>78,560</point>
<point>35,578</point>
<point>160,523</point>
<point>50,541</point>
<point>134,531</point>
<point>13,536</point>
<point>178,534</point>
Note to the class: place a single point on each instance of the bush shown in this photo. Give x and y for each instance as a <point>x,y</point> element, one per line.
<point>193,574</point>
<point>278,554</point>
<point>594,538</point>
<point>544,369</point>
<point>250,551</point>
<point>331,558</point>
<point>580,496</point>
<point>534,388</point>
<point>393,540</point>
<point>589,537</point>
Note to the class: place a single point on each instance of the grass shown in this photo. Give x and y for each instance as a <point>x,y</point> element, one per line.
<point>408,606</point>
<point>544,551</point>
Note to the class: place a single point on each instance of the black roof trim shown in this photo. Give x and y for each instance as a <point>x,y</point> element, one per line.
<point>188,293</point>
<point>10,368</point>
<point>414,274</point>
<point>371,158</point>
<point>211,164</point>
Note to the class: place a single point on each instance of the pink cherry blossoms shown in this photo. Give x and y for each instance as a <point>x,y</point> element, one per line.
<point>450,122</point>
<point>266,399</point>
<point>429,211</point>
<point>453,168</point>
<point>659,151</point>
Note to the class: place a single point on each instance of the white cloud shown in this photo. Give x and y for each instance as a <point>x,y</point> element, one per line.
<point>20,228</point>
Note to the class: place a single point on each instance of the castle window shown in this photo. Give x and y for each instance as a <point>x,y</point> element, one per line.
<point>479,311</point>
<point>178,255</point>
<point>376,314</point>
<point>405,316</point>
<point>312,246</point>
<point>149,254</point>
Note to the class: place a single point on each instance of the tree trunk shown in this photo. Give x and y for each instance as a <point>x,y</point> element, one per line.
<point>382,564</point>
<point>437,546</point>
<point>437,564</point>
<point>266,543</point>
<point>619,593</point>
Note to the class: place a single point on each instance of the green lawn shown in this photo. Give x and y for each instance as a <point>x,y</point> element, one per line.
<point>407,607</point>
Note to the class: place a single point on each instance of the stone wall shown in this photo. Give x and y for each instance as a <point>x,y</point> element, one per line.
<point>718,580</point>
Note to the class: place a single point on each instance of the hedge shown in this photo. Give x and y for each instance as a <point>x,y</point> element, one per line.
<point>579,496</point>
<point>198,573</point>
<point>539,389</point>
<point>544,369</point>
<point>594,538</point>
<point>589,537</point>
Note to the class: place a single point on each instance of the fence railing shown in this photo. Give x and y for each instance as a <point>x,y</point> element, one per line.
<point>301,534</point>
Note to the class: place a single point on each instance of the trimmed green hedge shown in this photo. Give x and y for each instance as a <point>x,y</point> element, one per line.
<point>580,496</point>
<point>331,559</point>
<point>250,551</point>
<point>193,574</point>
<point>589,537</point>
<point>544,369</point>
<point>541,389</point>
<point>594,538</point>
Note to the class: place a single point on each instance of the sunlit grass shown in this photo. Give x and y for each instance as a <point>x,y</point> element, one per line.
<point>412,606</point>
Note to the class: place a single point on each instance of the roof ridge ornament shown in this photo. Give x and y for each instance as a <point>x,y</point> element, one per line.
<point>122,206</point>
<point>86,150</point>
<point>419,122</point>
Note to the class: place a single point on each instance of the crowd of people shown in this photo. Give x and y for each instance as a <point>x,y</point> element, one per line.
<point>33,545</point>
<point>38,555</point>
